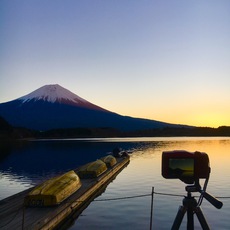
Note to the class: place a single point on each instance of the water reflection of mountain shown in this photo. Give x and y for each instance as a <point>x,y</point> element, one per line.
<point>42,159</point>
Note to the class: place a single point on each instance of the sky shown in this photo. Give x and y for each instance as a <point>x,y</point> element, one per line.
<point>157,59</point>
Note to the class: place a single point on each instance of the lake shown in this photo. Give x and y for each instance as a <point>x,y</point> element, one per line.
<point>25,164</point>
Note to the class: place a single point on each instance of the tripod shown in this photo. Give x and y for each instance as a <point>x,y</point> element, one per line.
<point>191,206</point>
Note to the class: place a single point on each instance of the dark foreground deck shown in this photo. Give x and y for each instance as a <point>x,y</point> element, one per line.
<point>14,215</point>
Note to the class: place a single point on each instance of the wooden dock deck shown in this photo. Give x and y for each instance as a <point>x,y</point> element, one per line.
<point>14,215</point>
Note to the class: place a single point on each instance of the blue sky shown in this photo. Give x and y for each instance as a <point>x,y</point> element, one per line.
<point>164,60</point>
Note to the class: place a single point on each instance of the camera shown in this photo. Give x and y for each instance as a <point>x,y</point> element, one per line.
<point>186,166</point>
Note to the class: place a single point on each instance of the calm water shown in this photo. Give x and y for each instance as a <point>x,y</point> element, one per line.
<point>23,165</point>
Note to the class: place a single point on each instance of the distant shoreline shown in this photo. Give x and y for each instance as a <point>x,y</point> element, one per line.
<point>105,132</point>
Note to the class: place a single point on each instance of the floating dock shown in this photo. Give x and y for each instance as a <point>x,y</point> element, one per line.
<point>15,215</point>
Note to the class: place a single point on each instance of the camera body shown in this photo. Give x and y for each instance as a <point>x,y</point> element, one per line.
<point>186,166</point>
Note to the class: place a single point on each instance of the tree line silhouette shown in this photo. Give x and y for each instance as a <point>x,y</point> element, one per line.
<point>9,132</point>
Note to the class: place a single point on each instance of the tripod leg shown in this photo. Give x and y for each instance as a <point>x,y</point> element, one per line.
<point>179,217</point>
<point>201,218</point>
<point>190,219</point>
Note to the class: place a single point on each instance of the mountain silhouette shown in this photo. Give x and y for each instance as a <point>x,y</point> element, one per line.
<point>54,107</point>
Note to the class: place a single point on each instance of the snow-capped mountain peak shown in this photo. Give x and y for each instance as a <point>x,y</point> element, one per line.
<point>57,94</point>
<point>52,93</point>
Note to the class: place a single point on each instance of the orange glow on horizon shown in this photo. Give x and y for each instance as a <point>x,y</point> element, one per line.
<point>212,119</point>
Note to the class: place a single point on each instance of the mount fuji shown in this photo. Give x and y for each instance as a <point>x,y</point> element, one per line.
<point>53,107</point>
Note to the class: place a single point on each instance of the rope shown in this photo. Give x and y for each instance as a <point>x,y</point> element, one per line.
<point>121,198</point>
<point>167,194</point>
<point>124,198</point>
<point>150,194</point>
<point>223,197</point>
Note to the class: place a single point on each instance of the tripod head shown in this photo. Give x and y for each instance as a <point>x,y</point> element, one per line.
<point>191,206</point>
<point>196,187</point>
